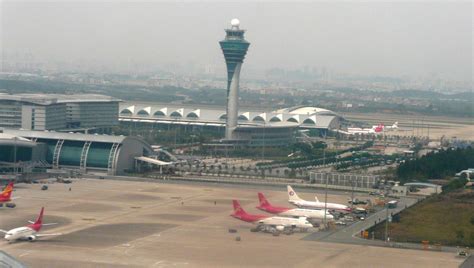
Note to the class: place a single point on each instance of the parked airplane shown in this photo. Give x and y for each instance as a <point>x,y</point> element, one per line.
<point>29,232</point>
<point>392,127</point>
<point>376,129</point>
<point>295,200</point>
<point>6,196</point>
<point>310,214</point>
<point>279,223</point>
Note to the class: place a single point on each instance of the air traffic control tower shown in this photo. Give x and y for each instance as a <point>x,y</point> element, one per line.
<point>234,47</point>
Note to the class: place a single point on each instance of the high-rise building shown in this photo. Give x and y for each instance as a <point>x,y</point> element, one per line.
<point>58,112</point>
<point>234,47</point>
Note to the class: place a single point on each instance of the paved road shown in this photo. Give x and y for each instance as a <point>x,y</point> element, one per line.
<point>468,263</point>
<point>350,233</point>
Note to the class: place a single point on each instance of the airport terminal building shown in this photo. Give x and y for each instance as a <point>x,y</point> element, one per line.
<point>113,155</point>
<point>58,112</point>
<point>255,128</point>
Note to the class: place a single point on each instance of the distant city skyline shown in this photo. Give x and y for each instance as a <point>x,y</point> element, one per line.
<point>358,39</point>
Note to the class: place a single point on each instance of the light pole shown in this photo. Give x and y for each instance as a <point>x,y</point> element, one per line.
<point>175,132</point>
<point>263,149</point>
<point>192,145</point>
<point>386,224</point>
<point>326,189</point>
<point>352,195</point>
<point>15,167</point>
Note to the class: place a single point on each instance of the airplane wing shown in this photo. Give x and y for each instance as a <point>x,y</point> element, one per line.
<point>40,235</point>
<point>3,231</point>
<point>44,224</point>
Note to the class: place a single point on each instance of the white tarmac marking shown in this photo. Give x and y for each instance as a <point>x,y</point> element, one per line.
<point>24,254</point>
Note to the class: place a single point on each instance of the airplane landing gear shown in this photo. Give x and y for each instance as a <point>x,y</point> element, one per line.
<point>8,205</point>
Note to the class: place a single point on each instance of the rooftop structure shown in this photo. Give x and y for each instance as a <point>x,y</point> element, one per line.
<point>47,99</point>
<point>58,112</point>
<point>301,117</point>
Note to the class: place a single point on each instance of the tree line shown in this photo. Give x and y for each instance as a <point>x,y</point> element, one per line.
<point>436,165</point>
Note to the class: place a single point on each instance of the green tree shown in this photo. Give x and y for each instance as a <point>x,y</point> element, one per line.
<point>459,235</point>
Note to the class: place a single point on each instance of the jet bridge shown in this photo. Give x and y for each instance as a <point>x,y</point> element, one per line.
<point>153,161</point>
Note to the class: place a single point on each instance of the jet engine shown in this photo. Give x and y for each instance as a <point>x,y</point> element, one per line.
<point>31,238</point>
<point>280,228</point>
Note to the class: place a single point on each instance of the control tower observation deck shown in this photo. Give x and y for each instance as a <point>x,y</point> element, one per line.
<point>234,47</point>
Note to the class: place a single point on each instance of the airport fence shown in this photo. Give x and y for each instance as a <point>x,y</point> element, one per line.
<point>344,181</point>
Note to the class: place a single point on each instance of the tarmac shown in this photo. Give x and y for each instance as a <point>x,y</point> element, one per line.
<point>107,223</point>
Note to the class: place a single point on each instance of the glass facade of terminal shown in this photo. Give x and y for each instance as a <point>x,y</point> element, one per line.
<point>7,153</point>
<point>71,151</point>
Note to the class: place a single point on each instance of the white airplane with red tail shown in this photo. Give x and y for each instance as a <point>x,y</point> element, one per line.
<point>295,200</point>
<point>310,214</point>
<point>279,223</point>
<point>376,129</point>
<point>28,232</point>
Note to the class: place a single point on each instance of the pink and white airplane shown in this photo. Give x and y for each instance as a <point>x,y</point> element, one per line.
<point>279,223</point>
<point>310,214</point>
<point>295,200</point>
<point>28,232</point>
<point>376,129</point>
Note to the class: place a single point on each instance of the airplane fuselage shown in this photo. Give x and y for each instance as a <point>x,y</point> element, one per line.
<point>286,222</point>
<point>320,205</point>
<point>307,213</point>
<point>20,233</point>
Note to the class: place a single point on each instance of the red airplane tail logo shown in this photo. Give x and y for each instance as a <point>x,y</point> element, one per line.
<point>240,213</point>
<point>238,210</point>
<point>263,201</point>
<point>39,221</point>
<point>379,128</point>
<point>266,206</point>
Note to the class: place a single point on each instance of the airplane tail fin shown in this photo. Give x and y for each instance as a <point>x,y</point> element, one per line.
<point>263,201</point>
<point>395,125</point>
<point>316,198</point>
<point>39,220</point>
<point>238,210</point>
<point>7,192</point>
<point>36,225</point>
<point>292,194</point>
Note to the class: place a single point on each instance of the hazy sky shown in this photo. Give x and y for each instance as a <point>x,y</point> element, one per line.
<point>389,38</point>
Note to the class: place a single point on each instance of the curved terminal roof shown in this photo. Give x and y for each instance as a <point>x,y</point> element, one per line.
<point>422,184</point>
<point>64,136</point>
<point>10,139</point>
<point>307,117</point>
<point>307,110</point>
